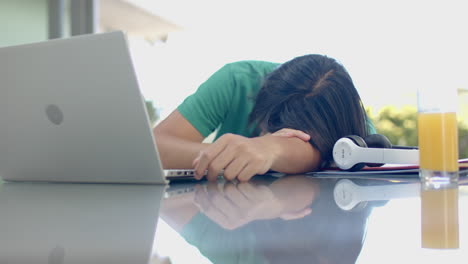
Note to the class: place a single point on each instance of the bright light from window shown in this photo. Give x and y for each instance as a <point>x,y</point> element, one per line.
<point>390,48</point>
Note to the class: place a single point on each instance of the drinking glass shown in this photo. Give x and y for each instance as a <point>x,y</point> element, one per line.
<point>438,135</point>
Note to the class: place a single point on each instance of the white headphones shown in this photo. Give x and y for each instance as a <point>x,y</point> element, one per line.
<point>353,152</point>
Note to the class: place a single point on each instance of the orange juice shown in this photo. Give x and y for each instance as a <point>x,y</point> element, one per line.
<point>438,141</point>
<point>439,218</point>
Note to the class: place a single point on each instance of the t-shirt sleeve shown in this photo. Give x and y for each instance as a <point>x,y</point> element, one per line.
<point>207,107</point>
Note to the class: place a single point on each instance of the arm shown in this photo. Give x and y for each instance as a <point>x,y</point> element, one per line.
<point>179,137</point>
<point>242,157</point>
<point>178,142</point>
<point>294,155</point>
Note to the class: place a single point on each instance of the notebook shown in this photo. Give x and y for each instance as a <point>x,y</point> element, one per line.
<point>387,170</point>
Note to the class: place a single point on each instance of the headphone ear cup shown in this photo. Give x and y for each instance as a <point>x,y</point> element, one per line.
<point>377,141</point>
<point>361,143</point>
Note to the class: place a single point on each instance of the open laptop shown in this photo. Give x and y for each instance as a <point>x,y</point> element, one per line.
<point>71,111</point>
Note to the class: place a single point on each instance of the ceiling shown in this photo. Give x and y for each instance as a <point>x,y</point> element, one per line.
<point>134,20</point>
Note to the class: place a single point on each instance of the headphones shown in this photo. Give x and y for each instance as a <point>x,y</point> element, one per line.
<point>352,153</point>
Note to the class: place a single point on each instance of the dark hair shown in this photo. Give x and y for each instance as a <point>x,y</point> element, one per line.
<point>314,94</point>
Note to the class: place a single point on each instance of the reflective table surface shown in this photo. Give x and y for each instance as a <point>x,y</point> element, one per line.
<point>292,219</point>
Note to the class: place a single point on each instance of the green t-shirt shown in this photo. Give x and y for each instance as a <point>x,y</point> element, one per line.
<point>225,100</point>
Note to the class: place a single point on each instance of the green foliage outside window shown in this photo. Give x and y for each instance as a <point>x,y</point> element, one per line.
<point>400,127</point>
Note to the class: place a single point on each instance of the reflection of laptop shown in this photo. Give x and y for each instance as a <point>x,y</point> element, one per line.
<point>71,111</point>
<point>78,223</point>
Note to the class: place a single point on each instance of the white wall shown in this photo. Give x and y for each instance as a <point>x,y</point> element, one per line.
<point>23,21</point>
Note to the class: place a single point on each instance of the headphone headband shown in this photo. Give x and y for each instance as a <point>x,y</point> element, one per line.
<point>349,153</point>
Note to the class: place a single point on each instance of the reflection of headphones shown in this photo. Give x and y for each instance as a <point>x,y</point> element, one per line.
<point>352,197</point>
<point>353,152</point>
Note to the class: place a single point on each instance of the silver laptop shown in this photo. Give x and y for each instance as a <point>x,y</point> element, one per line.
<point>71,111</point>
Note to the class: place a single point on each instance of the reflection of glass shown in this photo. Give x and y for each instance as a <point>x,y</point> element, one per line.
<point>437,135</point>
<point>439,216</point>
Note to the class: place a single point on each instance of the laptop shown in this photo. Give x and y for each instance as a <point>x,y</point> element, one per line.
<point>71,111</point>
<point>46,223</point>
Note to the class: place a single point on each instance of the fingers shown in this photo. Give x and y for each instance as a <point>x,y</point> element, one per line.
<point>234,205</point>
<point>288,132</point>
<point>234,194</point>
<point>256,165</point>
<point>204,201</point>
<point>234,168</point>
<point>204,196</point>
<point>217,205</point>
<point>219,163</point>
<point>250,170</point>
<point>247,190</point>
<point>205,158</point>
<point>201,198</point>
<point>238,156</point>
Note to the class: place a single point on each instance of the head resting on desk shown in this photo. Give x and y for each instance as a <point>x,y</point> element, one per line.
<point>314,94</point>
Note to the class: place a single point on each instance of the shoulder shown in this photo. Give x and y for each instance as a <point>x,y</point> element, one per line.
<point>242,73</point>
<point>251,67</point>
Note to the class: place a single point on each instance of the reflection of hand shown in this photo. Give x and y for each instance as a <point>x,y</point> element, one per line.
<point>234,205</point>
<point>240,157</point>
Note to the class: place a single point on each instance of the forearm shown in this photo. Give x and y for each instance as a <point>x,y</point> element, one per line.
<point>177,153</point>
<point>178,142</point>
<point>292,155</point>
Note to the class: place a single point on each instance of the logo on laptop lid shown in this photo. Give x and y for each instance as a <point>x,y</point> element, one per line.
<point>54,114</point>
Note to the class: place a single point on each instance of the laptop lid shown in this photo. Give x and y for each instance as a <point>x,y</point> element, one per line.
<point>71,111</point>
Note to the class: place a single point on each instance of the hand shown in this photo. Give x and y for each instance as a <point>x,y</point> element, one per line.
<point>234,205</point>
<point>238,156</point>
<point>289,132</point>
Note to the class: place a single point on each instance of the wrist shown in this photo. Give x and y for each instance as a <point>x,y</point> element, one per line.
<point>272,147</point>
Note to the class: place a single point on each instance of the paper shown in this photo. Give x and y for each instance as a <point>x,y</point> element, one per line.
<point>391,170</point>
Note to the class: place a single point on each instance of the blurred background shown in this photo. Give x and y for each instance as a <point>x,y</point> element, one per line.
<point>390,48</point>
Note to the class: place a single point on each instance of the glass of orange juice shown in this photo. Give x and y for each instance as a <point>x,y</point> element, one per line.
<point>438,135</point>
<point>438,162</point>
